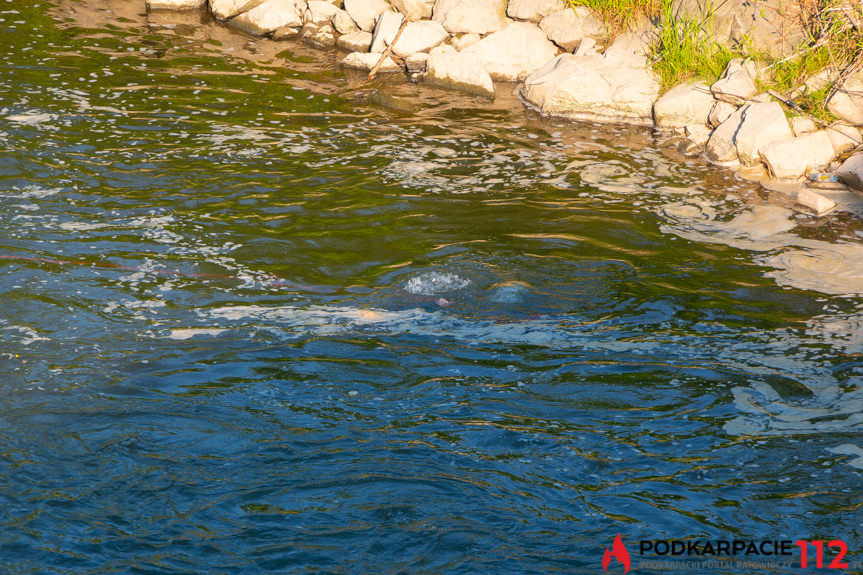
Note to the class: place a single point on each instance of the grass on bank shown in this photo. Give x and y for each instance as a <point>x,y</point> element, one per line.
<point>622,14</point>
<point>685,48</point>
<point>834,43</point>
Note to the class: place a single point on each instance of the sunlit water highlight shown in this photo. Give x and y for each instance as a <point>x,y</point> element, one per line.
<point>319,326</point>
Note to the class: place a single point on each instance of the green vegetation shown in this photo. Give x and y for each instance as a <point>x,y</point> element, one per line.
<point>833,44</point>
<point>686,49</point>
<point>622,14</point>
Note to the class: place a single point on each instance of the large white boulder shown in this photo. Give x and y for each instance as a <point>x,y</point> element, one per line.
<point>270,16</point>
<point>414,9</point>
<point>851,171</point>
<point>688,103</point>
<point>721,148</point>
<point>420,36</point>
<point>762,124</point>
<point>368,60</point>
<point>320,12</point>
<point>386,28</point>
<point>847,101</point>
<point>567,28</point>
<point>466,16</point>
<point>514,52</point>
<point>174,4</point>
<point>737,83</point>
<point>618,85</point>
<point>792,158</point>
<point>450,68</point>
<point>533,10</point>
<point>365,12</point>
<point>224,9</point>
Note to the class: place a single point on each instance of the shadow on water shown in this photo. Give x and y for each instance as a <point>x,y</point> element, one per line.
<point>258,316</point>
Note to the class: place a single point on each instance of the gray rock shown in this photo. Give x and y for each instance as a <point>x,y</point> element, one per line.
<point>414,9</point>
<point>720,112</point>
<point>844,137</point>
<point>466,16</point>
<point>174,4</point>
<point>697,133</point>
<point>514,52</point>
<point>762,124</point>
<point>568,27</point>
<point>631,48</point>
<point>319,12</point>
<point>851,171</point>
<point>270,16</point>
<point>618,85</point>
<point>417,63</point>
<point>721,148</point>
<point>462,41</point>
<point>319,36</point>
<point>847,101</point>
<point>343,23</point>
<point>368,60</point>
<point>736,84</point>
<point>285,33</point>
<point>386,28</point>
<point>586,47</point>
<point>815,202</point>
<point>533,10</point>
<point>696,136</point>
<point>791,158</point>
<point>688,103</point>
<point>820,80</point>
<point>802,125</point>
<point>365,12</point>
<point>355,42</point>
<point>449,68</point>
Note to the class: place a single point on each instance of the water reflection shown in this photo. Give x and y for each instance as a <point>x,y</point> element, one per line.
<point>258,318</point>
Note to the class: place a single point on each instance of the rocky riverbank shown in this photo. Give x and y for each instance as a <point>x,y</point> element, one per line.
<point>566,64</point>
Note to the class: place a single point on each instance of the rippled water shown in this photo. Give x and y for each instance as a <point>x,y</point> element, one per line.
<point>260,317</point>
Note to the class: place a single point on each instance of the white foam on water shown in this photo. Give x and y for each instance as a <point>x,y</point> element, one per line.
<point>30,192</point>
<point>327,320</point>
<point>188,333</point>
<point>31,119</point>
<point>434,283</point>
<point>27,334</point>
<point>81,226</point>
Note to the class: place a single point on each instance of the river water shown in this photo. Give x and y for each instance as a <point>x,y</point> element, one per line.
<point>257,316</point>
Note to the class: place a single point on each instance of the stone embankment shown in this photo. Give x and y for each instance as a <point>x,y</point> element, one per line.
<point>556,55</point>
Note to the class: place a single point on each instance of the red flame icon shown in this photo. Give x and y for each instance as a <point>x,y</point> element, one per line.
<point>619,552</point>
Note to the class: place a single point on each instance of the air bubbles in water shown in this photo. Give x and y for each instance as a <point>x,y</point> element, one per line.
<point>433,283</point>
